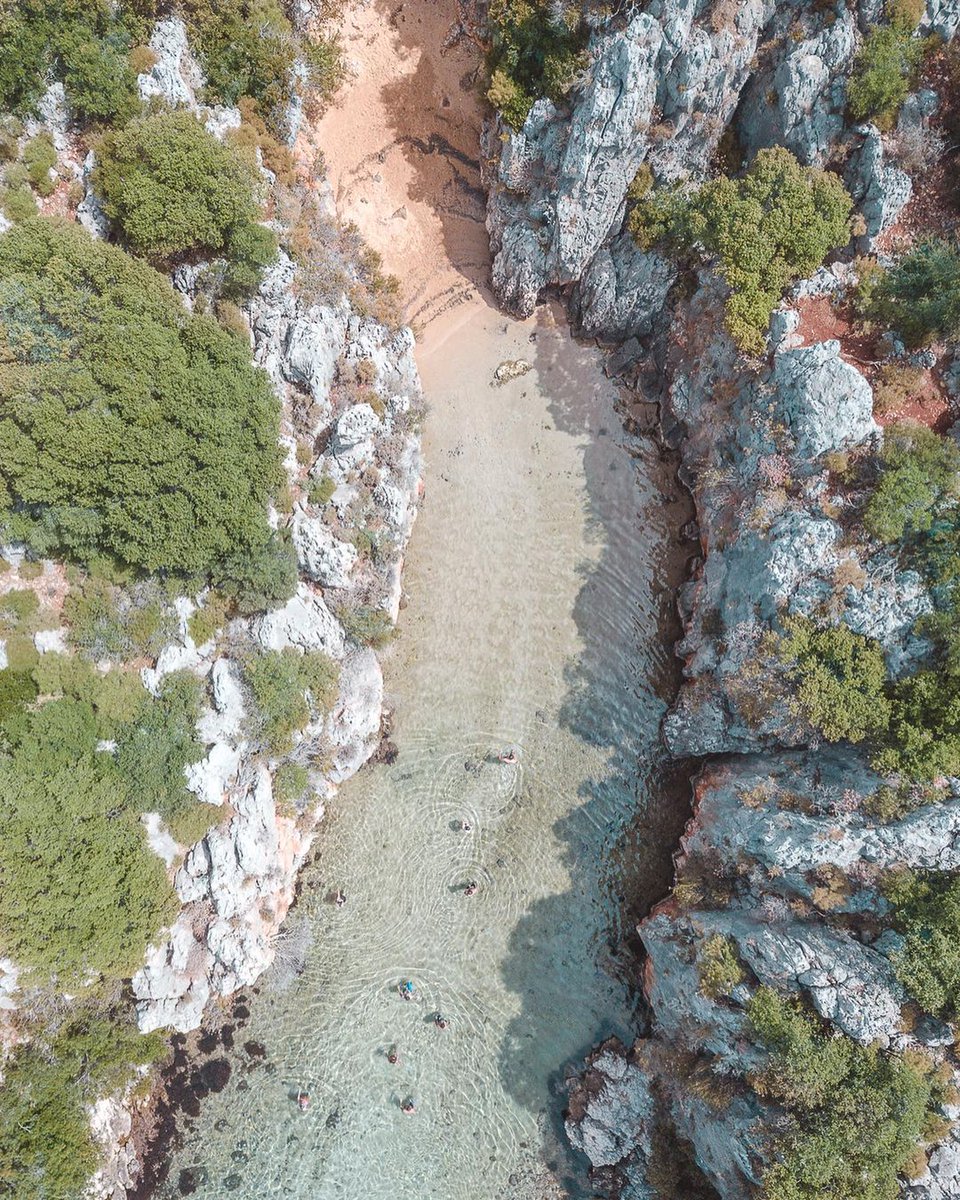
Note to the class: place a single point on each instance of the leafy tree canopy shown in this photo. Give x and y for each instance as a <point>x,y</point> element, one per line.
<point>857,1114</point>
<point>840,679</point>
<point>172,187</point>
<point>129,427</point>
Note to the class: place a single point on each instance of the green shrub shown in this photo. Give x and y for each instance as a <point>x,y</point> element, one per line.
<point>46,1151</point>
<point>17,689</point>
<point>248,48</point>
<point>290,782</point>
<point>718,966</point>
<point>534,52</point>
<point>208,620</point>
<point>152,753</point>
<point>367,626</point>
<point>927,913</point>
<point>80,42</point>
<point>128,427</point>
<point>287,688</point>
<point>920,472</point>
<point>39,156</point>
<point>509,99</point>
<point>18,608</point>
<point>259,578</point>
<point>856,1114</point>
<point>321,490</point>
<point>172,188</point>
<point>881,74</point>
<point>840,679</point>
<point>923,739</point>
<point>920,296</point>
<point>80,891</point>
<point>773,226</point>
<point>18,204</point>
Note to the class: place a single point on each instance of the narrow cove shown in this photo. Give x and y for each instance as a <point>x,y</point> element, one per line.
<point>539,598</point>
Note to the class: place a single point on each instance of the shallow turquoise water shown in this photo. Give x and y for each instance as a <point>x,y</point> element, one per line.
<point>531,620</point>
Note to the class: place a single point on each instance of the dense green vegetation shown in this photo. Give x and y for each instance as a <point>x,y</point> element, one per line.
<point>718,966</point>
<point>534,51</point>
<point>919,476</point>
<point>129,428</point>
<point>45,1146</point>
<point>249,48</point>
<point>857,1114</point>
<point>885,65</point>
<point>840,679</point>
<point>927,913</point>
<point>172,188</point>
<point>246,48</point>
<point>772,226</point>
<point>84,43</point>
<point>288,688</point>
<point>81,894</point>
<point>920,295</point>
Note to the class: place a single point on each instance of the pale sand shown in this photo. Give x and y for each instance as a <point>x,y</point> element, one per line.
<point>401,149</point>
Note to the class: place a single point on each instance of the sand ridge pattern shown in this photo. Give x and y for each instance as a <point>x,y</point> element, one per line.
<point>401,148</point>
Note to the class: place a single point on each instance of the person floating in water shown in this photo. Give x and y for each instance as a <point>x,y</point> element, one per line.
<point>508,757</point>
<point>303,1100</point>
<point>465,826</point>
<point>340,898</point>
<point>393,1056</point>
<point>471,888</point>
<point>441,1021</point>
<point>407,989</point>
<point>407,1106</point>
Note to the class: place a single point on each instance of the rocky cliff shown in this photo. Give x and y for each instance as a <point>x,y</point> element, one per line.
<point>351,405</point>
<point>782,865</point>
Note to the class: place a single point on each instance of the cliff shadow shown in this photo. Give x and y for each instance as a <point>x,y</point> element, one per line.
<point>435,113</point>
<point>618,841</point>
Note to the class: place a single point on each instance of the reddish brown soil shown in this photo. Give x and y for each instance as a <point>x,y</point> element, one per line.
<point>820,320</point>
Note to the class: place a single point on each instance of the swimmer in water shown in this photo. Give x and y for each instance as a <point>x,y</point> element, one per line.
<point>471,888</point>
<point>406,989</point>
<point>303,1100</point>
<point>465,826</point>
<point>341,898</point>
<point>407,1106</point>
<point>441,1021</point>
<point>393,1056</point>
<point>508,757</point>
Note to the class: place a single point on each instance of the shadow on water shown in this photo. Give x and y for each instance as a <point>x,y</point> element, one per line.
<point>618,841</point>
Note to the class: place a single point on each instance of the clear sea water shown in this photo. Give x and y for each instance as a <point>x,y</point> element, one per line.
<point>532,620</point>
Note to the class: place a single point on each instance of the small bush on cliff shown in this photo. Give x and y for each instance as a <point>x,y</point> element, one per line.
<point>882,72</point>
<point>287,688</point>
<point>718,966</point>
<point>920,296</point>
<point>927,913</point>
<point>775,225</point>
<point>46,1152</point>
<point>249,48</point>
<point>129,428</point>
<point>856,1113</point>
<point>82,43</point>
<point>171,187</point>
<point>840,679</point>
<point>919,475</point>
<point>923,739</point>
<point>535,51</point>
<point>769,228</point>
